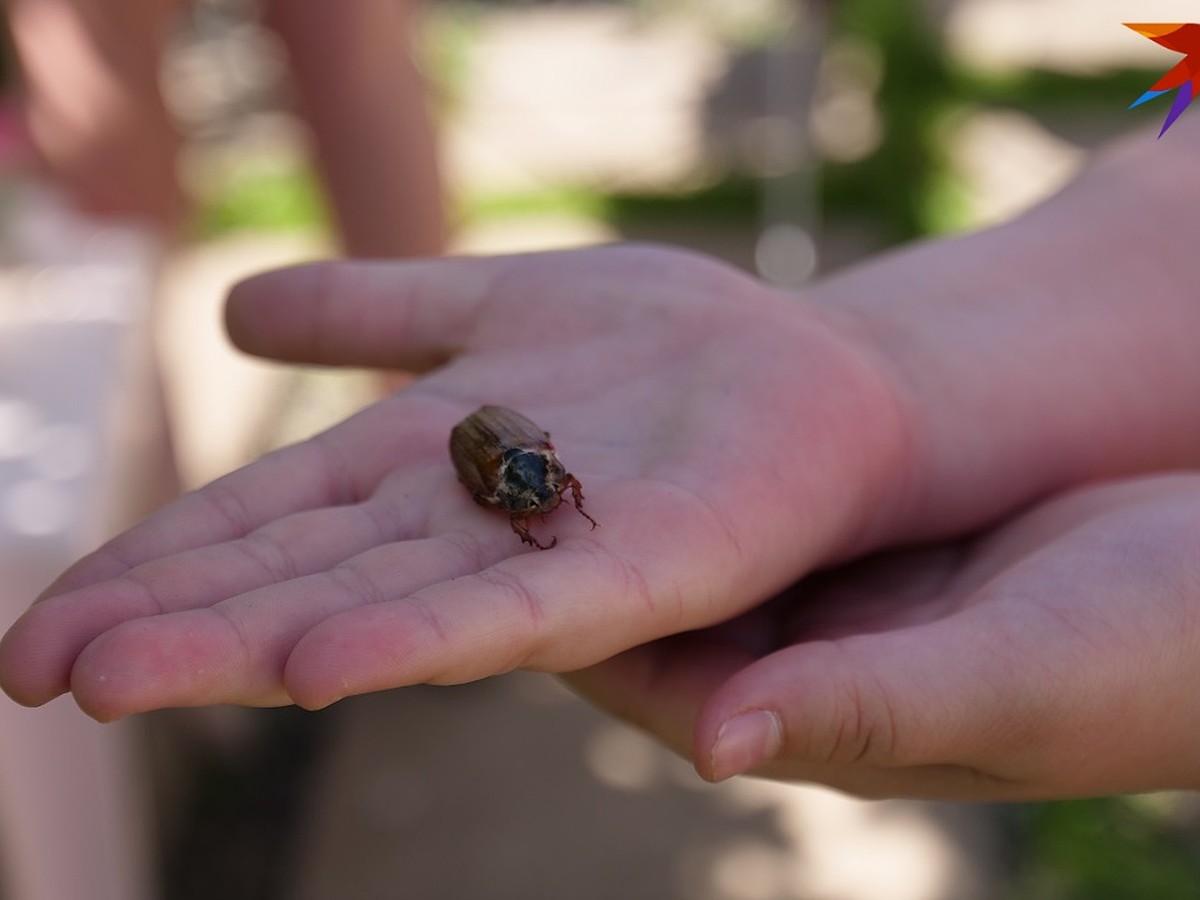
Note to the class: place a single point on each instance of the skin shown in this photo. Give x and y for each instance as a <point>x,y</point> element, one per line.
<point>100,129</point>
<point>95,117</point>
<point>358,86</point>
<point>966,400</point>
<point>1052,656</point>
<point>301,546</point>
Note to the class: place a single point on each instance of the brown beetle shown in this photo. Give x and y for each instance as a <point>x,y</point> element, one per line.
<point>508,462</point>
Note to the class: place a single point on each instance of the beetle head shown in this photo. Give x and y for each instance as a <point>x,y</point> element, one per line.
<point>530,481</point>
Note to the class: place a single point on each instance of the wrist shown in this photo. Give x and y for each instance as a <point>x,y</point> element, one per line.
<point>1040,354</point>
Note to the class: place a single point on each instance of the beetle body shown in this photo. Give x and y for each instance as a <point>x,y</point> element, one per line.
<point>506,461</point>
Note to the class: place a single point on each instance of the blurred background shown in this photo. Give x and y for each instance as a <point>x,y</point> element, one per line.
<point>790,137</point>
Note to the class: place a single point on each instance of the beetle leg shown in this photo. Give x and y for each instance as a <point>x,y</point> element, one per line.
<point>570,482</point>
<point>521,527</point>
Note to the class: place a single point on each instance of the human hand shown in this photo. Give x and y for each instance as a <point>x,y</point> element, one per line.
<point>1057,655</point>
<point>728,438</point>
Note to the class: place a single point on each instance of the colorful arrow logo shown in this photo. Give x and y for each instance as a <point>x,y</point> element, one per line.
<point>1182,38</point>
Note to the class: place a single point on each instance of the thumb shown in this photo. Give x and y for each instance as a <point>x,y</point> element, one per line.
<point>918,712</point>
<point>411,314</point>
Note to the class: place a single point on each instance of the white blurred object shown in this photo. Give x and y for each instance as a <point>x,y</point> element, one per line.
<point>1066,36</point>
<point>74,345</point>
<point>1010,163</point>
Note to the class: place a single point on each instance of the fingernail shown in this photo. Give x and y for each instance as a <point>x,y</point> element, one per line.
<point>747,740</point>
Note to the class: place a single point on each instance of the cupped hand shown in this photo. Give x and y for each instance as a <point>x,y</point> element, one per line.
<point>728,438</point>
<point>1057,655</point>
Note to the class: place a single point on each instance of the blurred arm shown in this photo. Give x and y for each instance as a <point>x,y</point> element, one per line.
<point>365,99</point>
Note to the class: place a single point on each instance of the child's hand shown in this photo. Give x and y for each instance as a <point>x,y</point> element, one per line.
<point>1055,656</point>
<point>728,438</point>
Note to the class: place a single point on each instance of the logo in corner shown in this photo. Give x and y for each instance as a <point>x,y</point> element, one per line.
<point>1185,76</point>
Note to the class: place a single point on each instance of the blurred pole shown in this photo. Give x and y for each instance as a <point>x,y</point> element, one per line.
<point>786,248</point>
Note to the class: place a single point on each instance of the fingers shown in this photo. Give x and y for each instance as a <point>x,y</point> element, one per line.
<point>558,610</point>
<point>300,477</point>
<point>416,314</point>
<point>446,609</point>
<point>731,712</point>
<point>888,701</point>
<point>436,611</point>
<point>554,610</point>
<point>338,467</point>
<point>1070,694</point>
<point>661,687</point>
<point>292,513</point>
<point>37,655</point>
<point>236,650</point>
<point>411,315</point>
<point>440,609</point>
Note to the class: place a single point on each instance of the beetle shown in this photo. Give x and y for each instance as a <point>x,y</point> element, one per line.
<point>506,461</point>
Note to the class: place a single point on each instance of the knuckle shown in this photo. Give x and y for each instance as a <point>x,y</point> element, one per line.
<point>858,722</point>
<point>529,615</point>
<point>271,554</point>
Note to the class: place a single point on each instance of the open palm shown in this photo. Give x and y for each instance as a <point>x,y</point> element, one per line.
<point>728,439</point>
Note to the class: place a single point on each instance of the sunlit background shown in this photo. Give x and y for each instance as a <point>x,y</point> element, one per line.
<point>788,137</point>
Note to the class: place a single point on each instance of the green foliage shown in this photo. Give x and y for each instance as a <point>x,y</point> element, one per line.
<point>552,200</point>
<point>1107,849</point>
<point>892,184</point>
<point>906,185</point>
<point>263,199</point>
